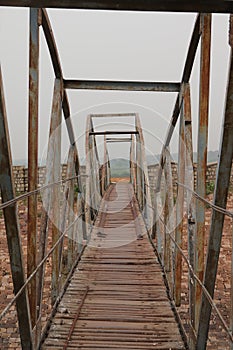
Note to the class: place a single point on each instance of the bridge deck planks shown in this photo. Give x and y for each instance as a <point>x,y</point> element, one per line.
<point>126,306</point>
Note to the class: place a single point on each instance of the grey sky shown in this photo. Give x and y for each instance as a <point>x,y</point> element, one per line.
<point>110,45</point>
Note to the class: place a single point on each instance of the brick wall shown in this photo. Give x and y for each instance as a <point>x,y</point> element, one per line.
<point>211,174</point>
<point>21,175</point>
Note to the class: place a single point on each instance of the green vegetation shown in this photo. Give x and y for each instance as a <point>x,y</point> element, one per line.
<point>210,187</point>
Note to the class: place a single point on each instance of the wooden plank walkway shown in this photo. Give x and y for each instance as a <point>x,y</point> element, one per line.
<point>117,293</point>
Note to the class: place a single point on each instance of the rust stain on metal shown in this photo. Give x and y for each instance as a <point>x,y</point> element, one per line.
<point>33,156</point>
<point>205,27</point>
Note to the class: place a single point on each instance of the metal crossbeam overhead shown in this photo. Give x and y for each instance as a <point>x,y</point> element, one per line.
<point>97,133</point>
<point>121,85</point>
<point>114,140</point>
<point>109,115</point>
<point>207,6</point>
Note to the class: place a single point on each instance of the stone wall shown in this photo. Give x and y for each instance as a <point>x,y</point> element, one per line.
<point>211,174</point>
<point>21,175</point>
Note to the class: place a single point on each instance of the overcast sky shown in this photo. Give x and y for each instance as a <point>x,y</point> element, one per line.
<point>114,46</point>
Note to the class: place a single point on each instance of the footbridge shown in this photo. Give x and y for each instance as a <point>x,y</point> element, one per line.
<point>110,263</point>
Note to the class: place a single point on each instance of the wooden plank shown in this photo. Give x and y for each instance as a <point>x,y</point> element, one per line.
<point>126,306</point>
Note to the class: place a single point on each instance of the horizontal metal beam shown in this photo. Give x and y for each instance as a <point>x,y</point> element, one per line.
<point>206,6</point>
<point>122,85</point>
<point>114,140</point>
<point>96,133</point>
<point>109,115</point>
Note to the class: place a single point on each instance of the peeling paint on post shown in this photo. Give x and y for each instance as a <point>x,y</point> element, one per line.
<point>205,28</point>
<point>33,156</point>
<point>12,228</point>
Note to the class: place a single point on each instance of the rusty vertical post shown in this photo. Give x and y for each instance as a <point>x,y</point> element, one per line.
<point>231,307</point>
<point>168,213</point>
<point>179,209</point>
<point>131,160</point>
<point>33,155</point>
<point>55,148</point>
<point>205,28</point>
<point>147,204</point>
<point>220,199</point>
<point>156,230</point>
<point>139,171</point>
<point>132,163</point>
<point>104,168</point>
<point>67,215</point>
<point>189,180</point>
<point>88,189</point>
<point>108,178</point>
<point>231,296</point>
<point>12,228</point>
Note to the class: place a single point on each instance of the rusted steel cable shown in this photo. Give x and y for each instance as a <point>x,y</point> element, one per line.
<point>213,206</point>
<point>205,291</point>
<point>210,204</point>
<point>28,194</point>
<point>7,308</point>
<point>75,319</point>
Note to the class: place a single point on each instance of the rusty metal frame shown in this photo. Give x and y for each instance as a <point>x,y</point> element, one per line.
<point>55,166</point>
<point>121,85</point>
<point>33,155</point>
<point>112,140</point>
<point>202,28</point>
<point>217,220</point>
<point>113,132</point>
<point>185,79</point>
<point>110,115</point>
<point>208,6</point>
<point>12,228</point>
<point>191,212</point>
<point>205,29</point>
<point>180,209</point>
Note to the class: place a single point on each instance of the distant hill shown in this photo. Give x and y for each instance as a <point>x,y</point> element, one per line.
<point>122,165</point>
<point>211,157</point>
<point>119,167</point>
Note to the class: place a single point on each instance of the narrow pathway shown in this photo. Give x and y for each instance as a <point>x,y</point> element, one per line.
<point>117,298</point>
